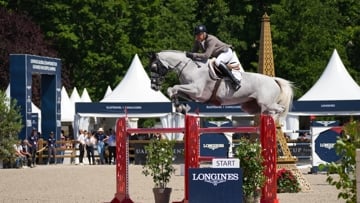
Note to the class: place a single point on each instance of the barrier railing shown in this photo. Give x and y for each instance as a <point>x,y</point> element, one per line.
<point>192,159</point>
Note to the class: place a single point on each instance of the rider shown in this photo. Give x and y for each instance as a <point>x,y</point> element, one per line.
<point>211,46</point>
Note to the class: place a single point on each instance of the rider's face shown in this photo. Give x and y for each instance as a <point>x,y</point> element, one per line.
<point>200,37</point>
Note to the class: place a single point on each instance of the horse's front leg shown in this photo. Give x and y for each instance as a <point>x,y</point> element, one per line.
<point>189,90</point>
<point>185,90</point>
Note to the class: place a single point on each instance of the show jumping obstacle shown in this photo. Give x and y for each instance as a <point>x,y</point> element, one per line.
<point>192,131</point>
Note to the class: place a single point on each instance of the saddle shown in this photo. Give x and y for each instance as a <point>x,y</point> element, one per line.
<point>216,74</point>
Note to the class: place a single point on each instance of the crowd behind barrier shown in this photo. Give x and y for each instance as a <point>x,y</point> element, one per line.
<point>67,150</point>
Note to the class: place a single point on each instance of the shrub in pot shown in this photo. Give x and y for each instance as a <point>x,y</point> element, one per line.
<point>159,165</point>
<point>251,161</point>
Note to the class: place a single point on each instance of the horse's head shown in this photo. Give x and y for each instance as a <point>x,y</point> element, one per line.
<point>157,72</point>
<point>163,62</point>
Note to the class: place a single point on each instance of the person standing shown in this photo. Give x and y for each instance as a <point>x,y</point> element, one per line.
<point>207,46</point>
<point>33,141</point>
<point>51,144</point>
<point>101,138</point>
<point>81,139</point>
<point>112,146</point>
<point>90,142</point>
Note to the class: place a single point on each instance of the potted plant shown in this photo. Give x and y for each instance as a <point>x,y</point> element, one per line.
<point>251,161</point>
<point>287,181</point>
<point>159,165</point>
<point>10,125</point>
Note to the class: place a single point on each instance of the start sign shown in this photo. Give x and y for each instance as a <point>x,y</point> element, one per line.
<point>226,163</point>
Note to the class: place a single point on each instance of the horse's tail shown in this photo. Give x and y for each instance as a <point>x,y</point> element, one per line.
<point>286,96</point>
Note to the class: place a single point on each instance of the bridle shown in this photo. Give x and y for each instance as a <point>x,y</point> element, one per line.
<point>160,65</point>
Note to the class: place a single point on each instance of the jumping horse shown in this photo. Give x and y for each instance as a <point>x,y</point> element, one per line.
<point>258,93</point>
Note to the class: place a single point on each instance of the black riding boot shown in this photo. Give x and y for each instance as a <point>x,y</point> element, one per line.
<point>224,70</point>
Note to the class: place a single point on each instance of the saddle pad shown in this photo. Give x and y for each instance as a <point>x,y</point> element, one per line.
<point>213,75</point>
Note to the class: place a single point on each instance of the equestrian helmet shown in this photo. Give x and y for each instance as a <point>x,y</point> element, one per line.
<point>199,29</point>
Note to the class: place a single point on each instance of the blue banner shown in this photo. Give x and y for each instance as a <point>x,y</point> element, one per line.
<point>326,106</point>
<point>215,185</point>
<point>133,107</point>
<point>214,144</point>
<point>196,107</point>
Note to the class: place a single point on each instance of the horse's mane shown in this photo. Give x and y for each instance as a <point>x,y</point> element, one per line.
<point>176,51</point>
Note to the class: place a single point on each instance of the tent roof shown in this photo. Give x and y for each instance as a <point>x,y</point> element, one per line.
<point>75,97</point>
<point>108,91</point>
<point>135,87</point>
<point>85,96</point>
<point>67,107</point>
<point>335,83</point>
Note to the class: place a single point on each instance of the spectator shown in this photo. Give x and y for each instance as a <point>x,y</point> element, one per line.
<point>33,141</point>
<point>90,143</point>
<point>101,138</point>
<point>81,139</point>
<point>112,146</point>
<point>51,145</point>
<point>26,152</point>
<point>20,159</point>
<point>62,145</point>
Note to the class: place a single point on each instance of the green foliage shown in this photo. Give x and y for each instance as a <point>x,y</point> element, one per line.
<point>251,161</point>
<point>159,161</point>
<point>96,40</point>
<point>345,146</point>
<point>10,125</point>
<point>296,56</point>
<point>287,182</point>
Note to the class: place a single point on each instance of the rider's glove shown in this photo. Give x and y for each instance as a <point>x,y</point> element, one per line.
<point>189,55</point>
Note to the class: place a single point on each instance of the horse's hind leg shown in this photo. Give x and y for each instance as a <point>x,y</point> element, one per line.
<point>273,108</point>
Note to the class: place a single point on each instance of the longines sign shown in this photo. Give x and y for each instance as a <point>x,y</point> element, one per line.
<point>215,185</point>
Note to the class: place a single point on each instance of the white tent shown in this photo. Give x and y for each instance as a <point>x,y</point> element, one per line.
<point>85,122</point>
<point>34,108</point>
<point>108,92</point>
<point>85,96</point>
<point>75,97</point>
<point>335,83</point>
<point>135,87</point>
<point>134,91</point>
<point>67,107</point>
<point>334,93</point>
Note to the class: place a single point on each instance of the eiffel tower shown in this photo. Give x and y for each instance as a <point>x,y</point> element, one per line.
<point>266,67</point>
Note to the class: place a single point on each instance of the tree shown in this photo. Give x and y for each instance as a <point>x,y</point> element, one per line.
<point>19,34</point>
<point>10,124</point>
<point>305,33</point>
<point>97,40</point>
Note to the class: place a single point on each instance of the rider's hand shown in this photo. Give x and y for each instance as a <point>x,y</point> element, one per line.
<point>189,55</point>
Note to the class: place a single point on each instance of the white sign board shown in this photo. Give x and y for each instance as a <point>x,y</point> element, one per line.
<point>226,163</point>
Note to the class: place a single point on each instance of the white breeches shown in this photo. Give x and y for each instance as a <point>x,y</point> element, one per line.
<point>224,57</point>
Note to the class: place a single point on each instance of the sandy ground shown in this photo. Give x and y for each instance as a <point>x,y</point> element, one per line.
<point>75,183</point>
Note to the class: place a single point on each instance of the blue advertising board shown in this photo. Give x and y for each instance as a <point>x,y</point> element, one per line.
<point>214,185</point>
<point>22,67</point>
<point>124,107</point>
<point>324,145</point>
<point>214,144</point>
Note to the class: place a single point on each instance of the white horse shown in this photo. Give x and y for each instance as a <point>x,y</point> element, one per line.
<point>258,93</point>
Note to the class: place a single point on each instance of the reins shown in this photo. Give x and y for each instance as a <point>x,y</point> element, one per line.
<point>181,70</point>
